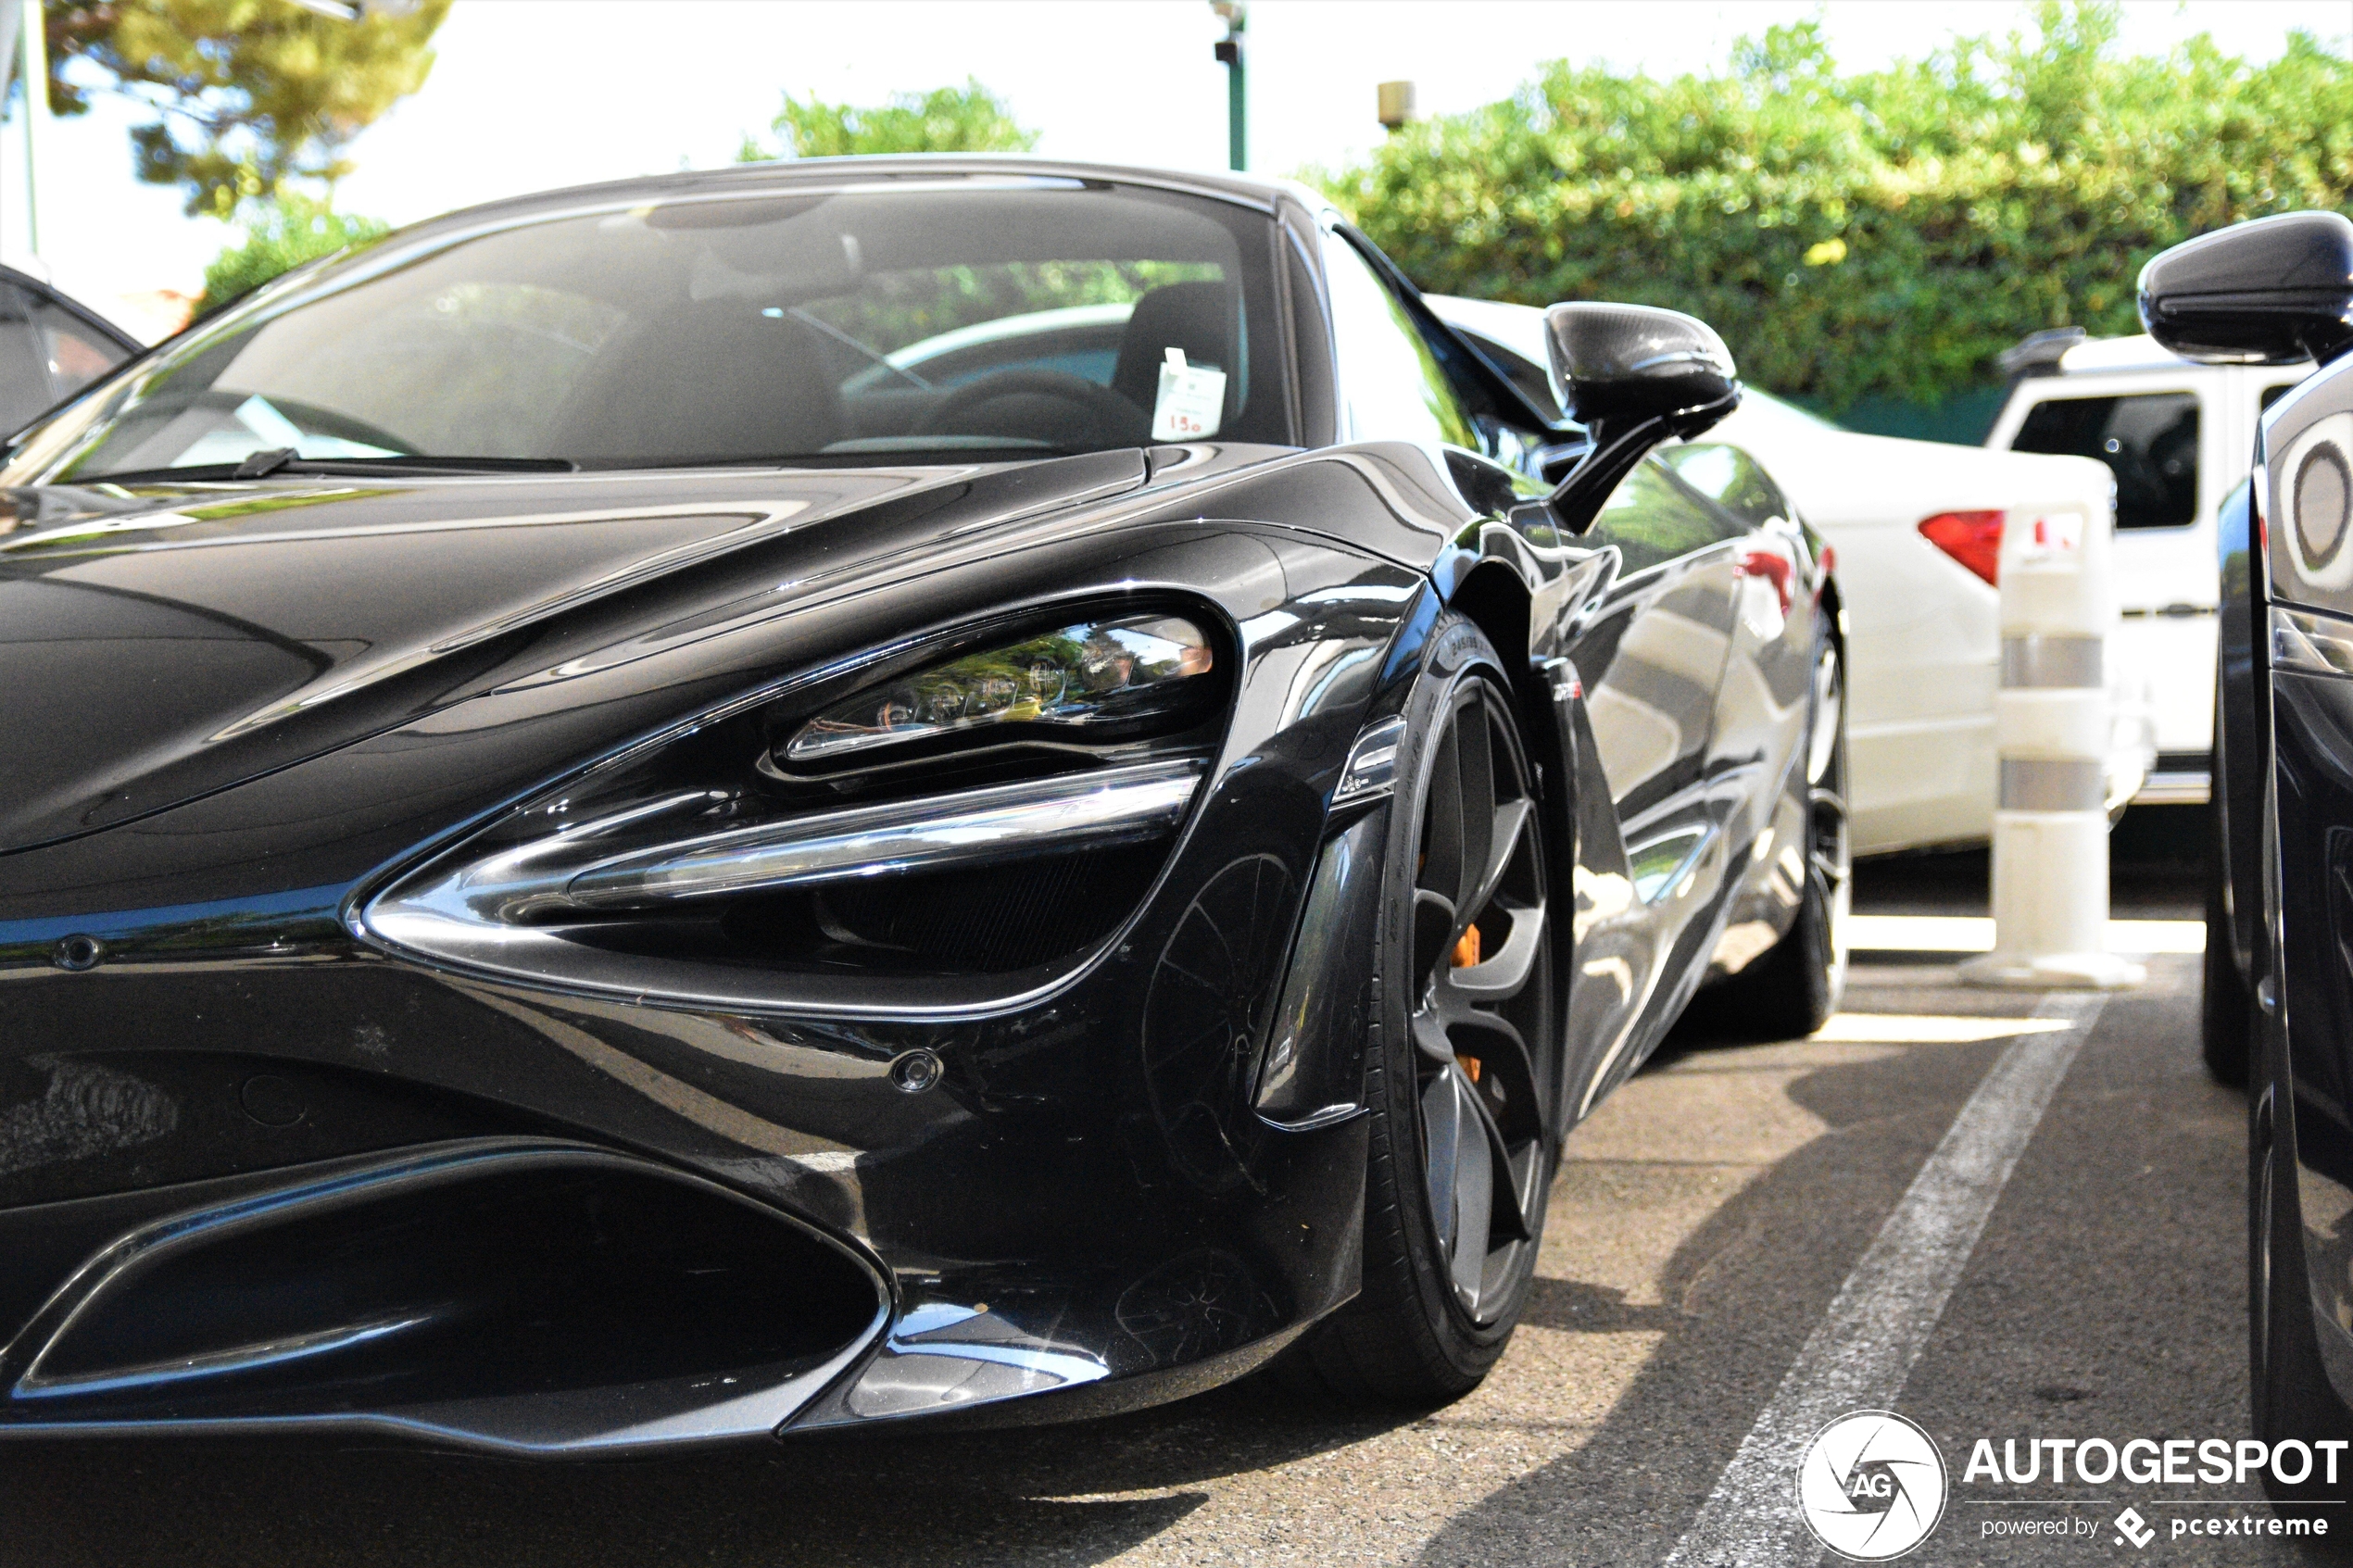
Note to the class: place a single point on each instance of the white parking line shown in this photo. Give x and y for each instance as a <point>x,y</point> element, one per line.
<point>1860,1354</point>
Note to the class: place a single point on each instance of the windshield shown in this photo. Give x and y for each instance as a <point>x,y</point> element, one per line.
<point>1006,318</point>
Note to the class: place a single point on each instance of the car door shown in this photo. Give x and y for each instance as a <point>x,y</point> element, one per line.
<point>1761,702</point>
<point>1658,652</point>
<point>1653,651</point>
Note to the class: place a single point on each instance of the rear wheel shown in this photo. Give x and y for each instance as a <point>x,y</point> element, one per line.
<point>1793,988</point>
<point>1464,1079</point>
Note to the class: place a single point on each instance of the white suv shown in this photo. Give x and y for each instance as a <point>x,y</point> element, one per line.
<point>2179,437</point>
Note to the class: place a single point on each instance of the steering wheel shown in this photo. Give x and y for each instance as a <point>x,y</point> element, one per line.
<point>1081,413</point>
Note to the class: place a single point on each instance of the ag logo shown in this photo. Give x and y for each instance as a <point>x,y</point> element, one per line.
<point>1871,1485</point>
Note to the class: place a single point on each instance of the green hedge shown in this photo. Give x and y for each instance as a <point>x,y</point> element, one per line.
<point>1876,235</point>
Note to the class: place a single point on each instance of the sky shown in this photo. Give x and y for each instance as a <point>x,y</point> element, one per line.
<point>530,94</point>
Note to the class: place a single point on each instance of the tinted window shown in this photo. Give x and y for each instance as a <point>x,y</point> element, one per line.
<point>2273,393</point>
<point>24,370</point>
<point>1389,382</point>
<point>1651,518</point>
<point>2148,440</point>
<point>77,354</point>
<point>767,325</point>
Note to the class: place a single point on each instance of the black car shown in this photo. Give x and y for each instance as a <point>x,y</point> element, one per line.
<point>590,857</point>
<point>2278,1013</point>
<point>50,347</point>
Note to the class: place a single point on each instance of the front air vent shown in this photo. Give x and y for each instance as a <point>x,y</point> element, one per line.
<point>542,1296</point>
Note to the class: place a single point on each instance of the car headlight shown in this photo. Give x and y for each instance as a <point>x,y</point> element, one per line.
<point>951,830</point>
<point>1082,681</point>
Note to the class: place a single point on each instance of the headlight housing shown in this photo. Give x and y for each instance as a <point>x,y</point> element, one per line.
<point>927,841</point>
<point>1090,678</point>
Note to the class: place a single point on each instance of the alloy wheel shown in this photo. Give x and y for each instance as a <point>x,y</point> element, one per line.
<point>1484,1075</point>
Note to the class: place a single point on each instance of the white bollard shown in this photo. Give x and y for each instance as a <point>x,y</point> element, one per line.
<point>2052,732</point>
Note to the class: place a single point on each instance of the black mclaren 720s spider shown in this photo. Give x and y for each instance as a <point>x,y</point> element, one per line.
<point>862,791</point>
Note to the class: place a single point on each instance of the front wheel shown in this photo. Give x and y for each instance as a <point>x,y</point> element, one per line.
<point>1463,1079</point>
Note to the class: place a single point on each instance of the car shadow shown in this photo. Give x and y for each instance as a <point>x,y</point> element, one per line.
<point>1738,1298</point>
<point>1743,1291</point>
<point>1079,1494</point>
<point>1061,1494</point>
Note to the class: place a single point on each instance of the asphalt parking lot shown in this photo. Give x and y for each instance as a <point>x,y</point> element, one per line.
<point>1704,1225</point>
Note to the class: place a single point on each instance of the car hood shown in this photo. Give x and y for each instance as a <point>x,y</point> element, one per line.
<point>163,644</point>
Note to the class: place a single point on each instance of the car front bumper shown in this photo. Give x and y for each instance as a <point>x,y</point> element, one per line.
<point>272,1177</point>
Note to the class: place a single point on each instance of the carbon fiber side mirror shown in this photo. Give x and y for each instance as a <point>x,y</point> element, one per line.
<point>1623,364</point>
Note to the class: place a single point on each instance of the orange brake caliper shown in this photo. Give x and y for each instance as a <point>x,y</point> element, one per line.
<point>1465,955</point>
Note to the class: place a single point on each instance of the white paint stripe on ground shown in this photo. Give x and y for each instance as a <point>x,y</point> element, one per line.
<point>1860,1354</point>
<point>1974,933</point>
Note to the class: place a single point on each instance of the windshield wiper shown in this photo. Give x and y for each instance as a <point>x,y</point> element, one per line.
<point>282,460</point>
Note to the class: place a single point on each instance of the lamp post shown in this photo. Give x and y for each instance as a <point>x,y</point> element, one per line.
<point>24,54</point>
<point>1235,15</point>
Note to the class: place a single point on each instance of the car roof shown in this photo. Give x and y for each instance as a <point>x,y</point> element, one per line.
<point>909,168</point>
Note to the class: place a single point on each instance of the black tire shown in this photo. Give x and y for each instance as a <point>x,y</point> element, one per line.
<point>2225,1039</point>
<point>1791,990</point>
<point>1448,1252</point>
<point>2288,1385</point>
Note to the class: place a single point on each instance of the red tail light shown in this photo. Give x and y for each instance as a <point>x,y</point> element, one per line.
<point>1973,538</point>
